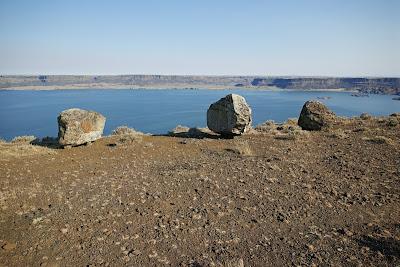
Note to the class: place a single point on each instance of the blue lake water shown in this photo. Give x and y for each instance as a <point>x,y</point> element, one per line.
<point>158,111</point>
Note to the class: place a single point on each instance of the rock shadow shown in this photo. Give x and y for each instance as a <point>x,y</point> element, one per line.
<point>387,246</point>
<point>196,133</point>
<point>49,142</point>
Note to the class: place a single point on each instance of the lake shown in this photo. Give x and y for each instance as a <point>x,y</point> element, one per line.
<point>158,111</point>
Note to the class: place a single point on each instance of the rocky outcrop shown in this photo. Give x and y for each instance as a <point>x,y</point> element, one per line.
<point>230,115</point>
<point>314,116</point>
<point>77,126</point>
<point>364,85</point>
<point>261,82</point>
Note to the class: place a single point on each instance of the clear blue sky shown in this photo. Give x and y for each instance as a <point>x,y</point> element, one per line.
<point>217,37</point>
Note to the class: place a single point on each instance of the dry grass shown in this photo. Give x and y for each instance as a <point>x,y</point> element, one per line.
<point>127,135</point>
<point>266,126</point>
<point>242,148</point>
<point>129,138</point>
<point>234,263</point>
<point>360,129</point>
<point>378,139</point>
<point>179,129</point>
<point>16,150</point>
<point>292,121</point>
<point>392,122</point>
<point>338,133</point>
<point>365,116</point>
<point>288,130</point>
<point>24,139</point>
<point>125,130</point>
<point>285,136</point>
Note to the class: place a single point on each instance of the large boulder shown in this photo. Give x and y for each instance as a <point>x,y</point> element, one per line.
<point>77,126</point>
<point>230,115</point>
<point>314,116</point>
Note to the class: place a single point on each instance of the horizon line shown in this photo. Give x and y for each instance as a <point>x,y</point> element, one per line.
<point>215,75</point>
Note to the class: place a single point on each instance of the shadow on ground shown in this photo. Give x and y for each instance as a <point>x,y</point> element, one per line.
<point>197,133</point>
<point>387,246</point>
<point>49,142</point>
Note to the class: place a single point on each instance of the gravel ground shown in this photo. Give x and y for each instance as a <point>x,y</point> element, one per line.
<point>273,197</point>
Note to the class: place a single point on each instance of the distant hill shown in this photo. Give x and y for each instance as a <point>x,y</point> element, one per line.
<point>364,85</point>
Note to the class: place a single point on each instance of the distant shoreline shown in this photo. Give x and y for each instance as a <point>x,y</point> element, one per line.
<point>388,86</point>
<point>166,87</point>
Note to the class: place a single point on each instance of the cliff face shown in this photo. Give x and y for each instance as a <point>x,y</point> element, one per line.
<point>364,85</point>
<point>149,81</point>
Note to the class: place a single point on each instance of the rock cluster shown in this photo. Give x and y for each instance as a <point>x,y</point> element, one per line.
<point>77,126</point>
<point>314,116</point>
<point>230,115</point>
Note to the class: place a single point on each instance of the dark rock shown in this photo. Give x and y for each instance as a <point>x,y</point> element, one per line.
<point>314,116</point>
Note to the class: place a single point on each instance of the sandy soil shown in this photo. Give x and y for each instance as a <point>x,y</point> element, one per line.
<point>329,198</point>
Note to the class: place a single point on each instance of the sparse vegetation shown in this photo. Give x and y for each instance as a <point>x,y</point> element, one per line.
<point>292,121</point>
<point>378,139</point>
<point>25,139</point>
<point>288,130</point>
<point>125,130</point>
<point>338,133</point>
<point>266,126</point>
<point>127,135</point>
<point>241,148</point>
<point>365,116</point>
<point>392,122</point>
<point>157,196</point>
<point>285,136</point>
<point>21,149</point>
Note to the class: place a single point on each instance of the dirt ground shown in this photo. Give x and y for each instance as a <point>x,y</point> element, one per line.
<point>271,198</point>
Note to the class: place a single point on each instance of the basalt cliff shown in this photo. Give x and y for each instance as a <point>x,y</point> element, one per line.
<point>43,82</point>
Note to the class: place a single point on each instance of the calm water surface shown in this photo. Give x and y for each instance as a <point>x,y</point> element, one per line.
<point>158,111</point>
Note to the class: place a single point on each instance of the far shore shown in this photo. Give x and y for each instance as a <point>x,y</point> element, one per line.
<point>161,87</point>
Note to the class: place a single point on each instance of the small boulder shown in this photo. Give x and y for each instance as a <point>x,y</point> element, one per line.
<point>125,130</point>
<point>77,126</point>
<point>314,116</point>
<point>365,116</point>
<point>230,115</point>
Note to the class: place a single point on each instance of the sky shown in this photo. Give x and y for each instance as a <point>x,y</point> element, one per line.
<point>207,37</point>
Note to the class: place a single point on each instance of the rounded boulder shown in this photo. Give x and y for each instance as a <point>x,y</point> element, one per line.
<point>314,116</point>
<point>77,126</point>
